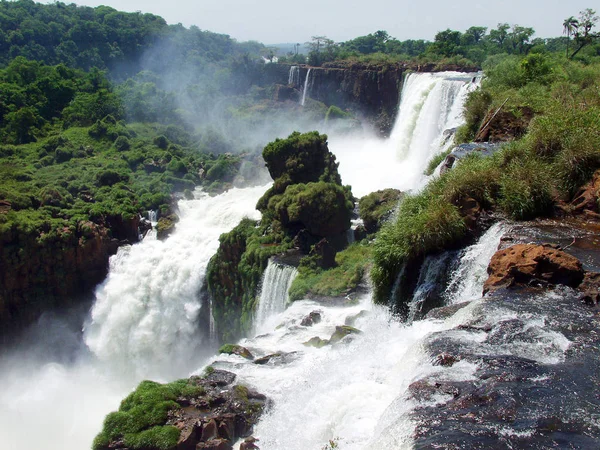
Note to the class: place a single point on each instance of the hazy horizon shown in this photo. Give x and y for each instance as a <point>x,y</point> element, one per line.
<point>269,22</point>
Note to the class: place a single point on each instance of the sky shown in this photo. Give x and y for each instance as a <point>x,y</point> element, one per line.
<point>276,21</point>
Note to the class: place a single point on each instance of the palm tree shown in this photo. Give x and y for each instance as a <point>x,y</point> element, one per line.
<point>570,25</point>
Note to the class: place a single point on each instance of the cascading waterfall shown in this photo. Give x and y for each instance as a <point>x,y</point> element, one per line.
<point>294,76</point>
<point>430,104</point>
<point>467,280</point>
<point>144,317</point>
<point>306,87</point>
<point>274,297</point>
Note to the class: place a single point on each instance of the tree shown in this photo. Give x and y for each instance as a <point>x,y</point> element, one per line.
<point>582,31</point>
<point>519,38</point>
<point>500,34</point>
<point>569,26</point>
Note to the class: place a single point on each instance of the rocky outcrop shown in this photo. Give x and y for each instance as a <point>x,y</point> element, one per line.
<point>530,264</point>
<point>585,200</point>
<point>376,207</point>
<point>208,412</point>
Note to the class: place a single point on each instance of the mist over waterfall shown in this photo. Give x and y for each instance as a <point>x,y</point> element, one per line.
<point>274,297</point>
<point>430,104</point>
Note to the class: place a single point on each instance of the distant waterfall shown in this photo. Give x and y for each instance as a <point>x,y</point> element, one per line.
<point>306,87</point>
<point>466,282</point>
<point>294,76</point>
<point>276,283</point>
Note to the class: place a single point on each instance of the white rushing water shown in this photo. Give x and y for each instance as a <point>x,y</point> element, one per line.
<point>294,76</point>
<point>467,280</point>
<point>306,87</point>
<point>273,297</point>
<point>430,104</point>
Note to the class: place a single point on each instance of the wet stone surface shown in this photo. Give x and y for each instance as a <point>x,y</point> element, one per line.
<point>522,373</point>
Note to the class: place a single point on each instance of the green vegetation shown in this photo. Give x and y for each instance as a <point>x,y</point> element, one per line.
<point>463,49</point>
<point>352,264</point>
<point>436,161</point>
<point>140,420</point>
<point>559,151</point>
<point>376,207</point>
<point>306,199</point>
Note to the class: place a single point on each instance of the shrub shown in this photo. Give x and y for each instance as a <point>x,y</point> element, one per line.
<point>122,143</point>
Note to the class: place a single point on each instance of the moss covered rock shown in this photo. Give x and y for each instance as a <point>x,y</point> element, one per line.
<point>376,207</point>
<point>232,349</point>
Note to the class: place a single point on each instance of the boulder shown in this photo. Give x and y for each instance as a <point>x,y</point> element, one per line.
<point>166,226</point>
<point>341,332</point>
<point>586,199</point>
<point>313,318</point>
<point>232,349</point>
<point>533,265</point>
<point>214,444</point>
<point>590,288</point>
<point>249,444</point>
<point>316,342</point>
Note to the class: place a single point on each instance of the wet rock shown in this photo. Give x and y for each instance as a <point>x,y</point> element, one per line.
<point>586,199</point>
<point>445,311</point>
<point>232,349</point>
<point>341,332</point>
<point>360,233</point>
<point>219,377</point>
<point>534,265</point>
<point>276,358</point>
<point>316,342</point>
<point>249,444</point>
<point>469,209</point>
<point>590,288</point>
<point>313,318</point>
<point>214,444</point>
<point>209,431</point>
<point>446,360</point>
<point>166,226</point>
<point>351,320</point>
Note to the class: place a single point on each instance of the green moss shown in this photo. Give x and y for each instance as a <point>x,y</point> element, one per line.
<point>352,264</point>
<point>376,207</point>
<point>436,161</point>
<point>142,414</point>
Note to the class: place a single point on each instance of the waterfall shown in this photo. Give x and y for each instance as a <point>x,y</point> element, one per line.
<point>144,317</point>
<point>274,297</point>
<point>466,282</point>
<point>294,76</point>
<point>431,279</point>
<point>306,87</point>
<point>430,104</point>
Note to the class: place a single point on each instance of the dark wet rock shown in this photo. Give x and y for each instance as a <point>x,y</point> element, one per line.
<point>446,360</point>
<point>351,320</point>
<point>501,126</point>
<point>534,265</point>
<point>214,444</point>
<point>445,311</point>
<point>276,358</point>
<point>462,150</point>
<point>313,318</point>
<point>218,377</point>
<point>316,342</point>
<point>469,209</point>
<point>590,288</point>
<point>324,253</point>
<point>249,444</point>
<point>360,233</point>
<point>341,332</point>
<point>534,356</point>
<point>232,349</point>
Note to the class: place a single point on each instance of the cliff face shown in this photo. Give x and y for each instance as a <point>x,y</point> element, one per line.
<point>372,91</point>
<point>40,271</point>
